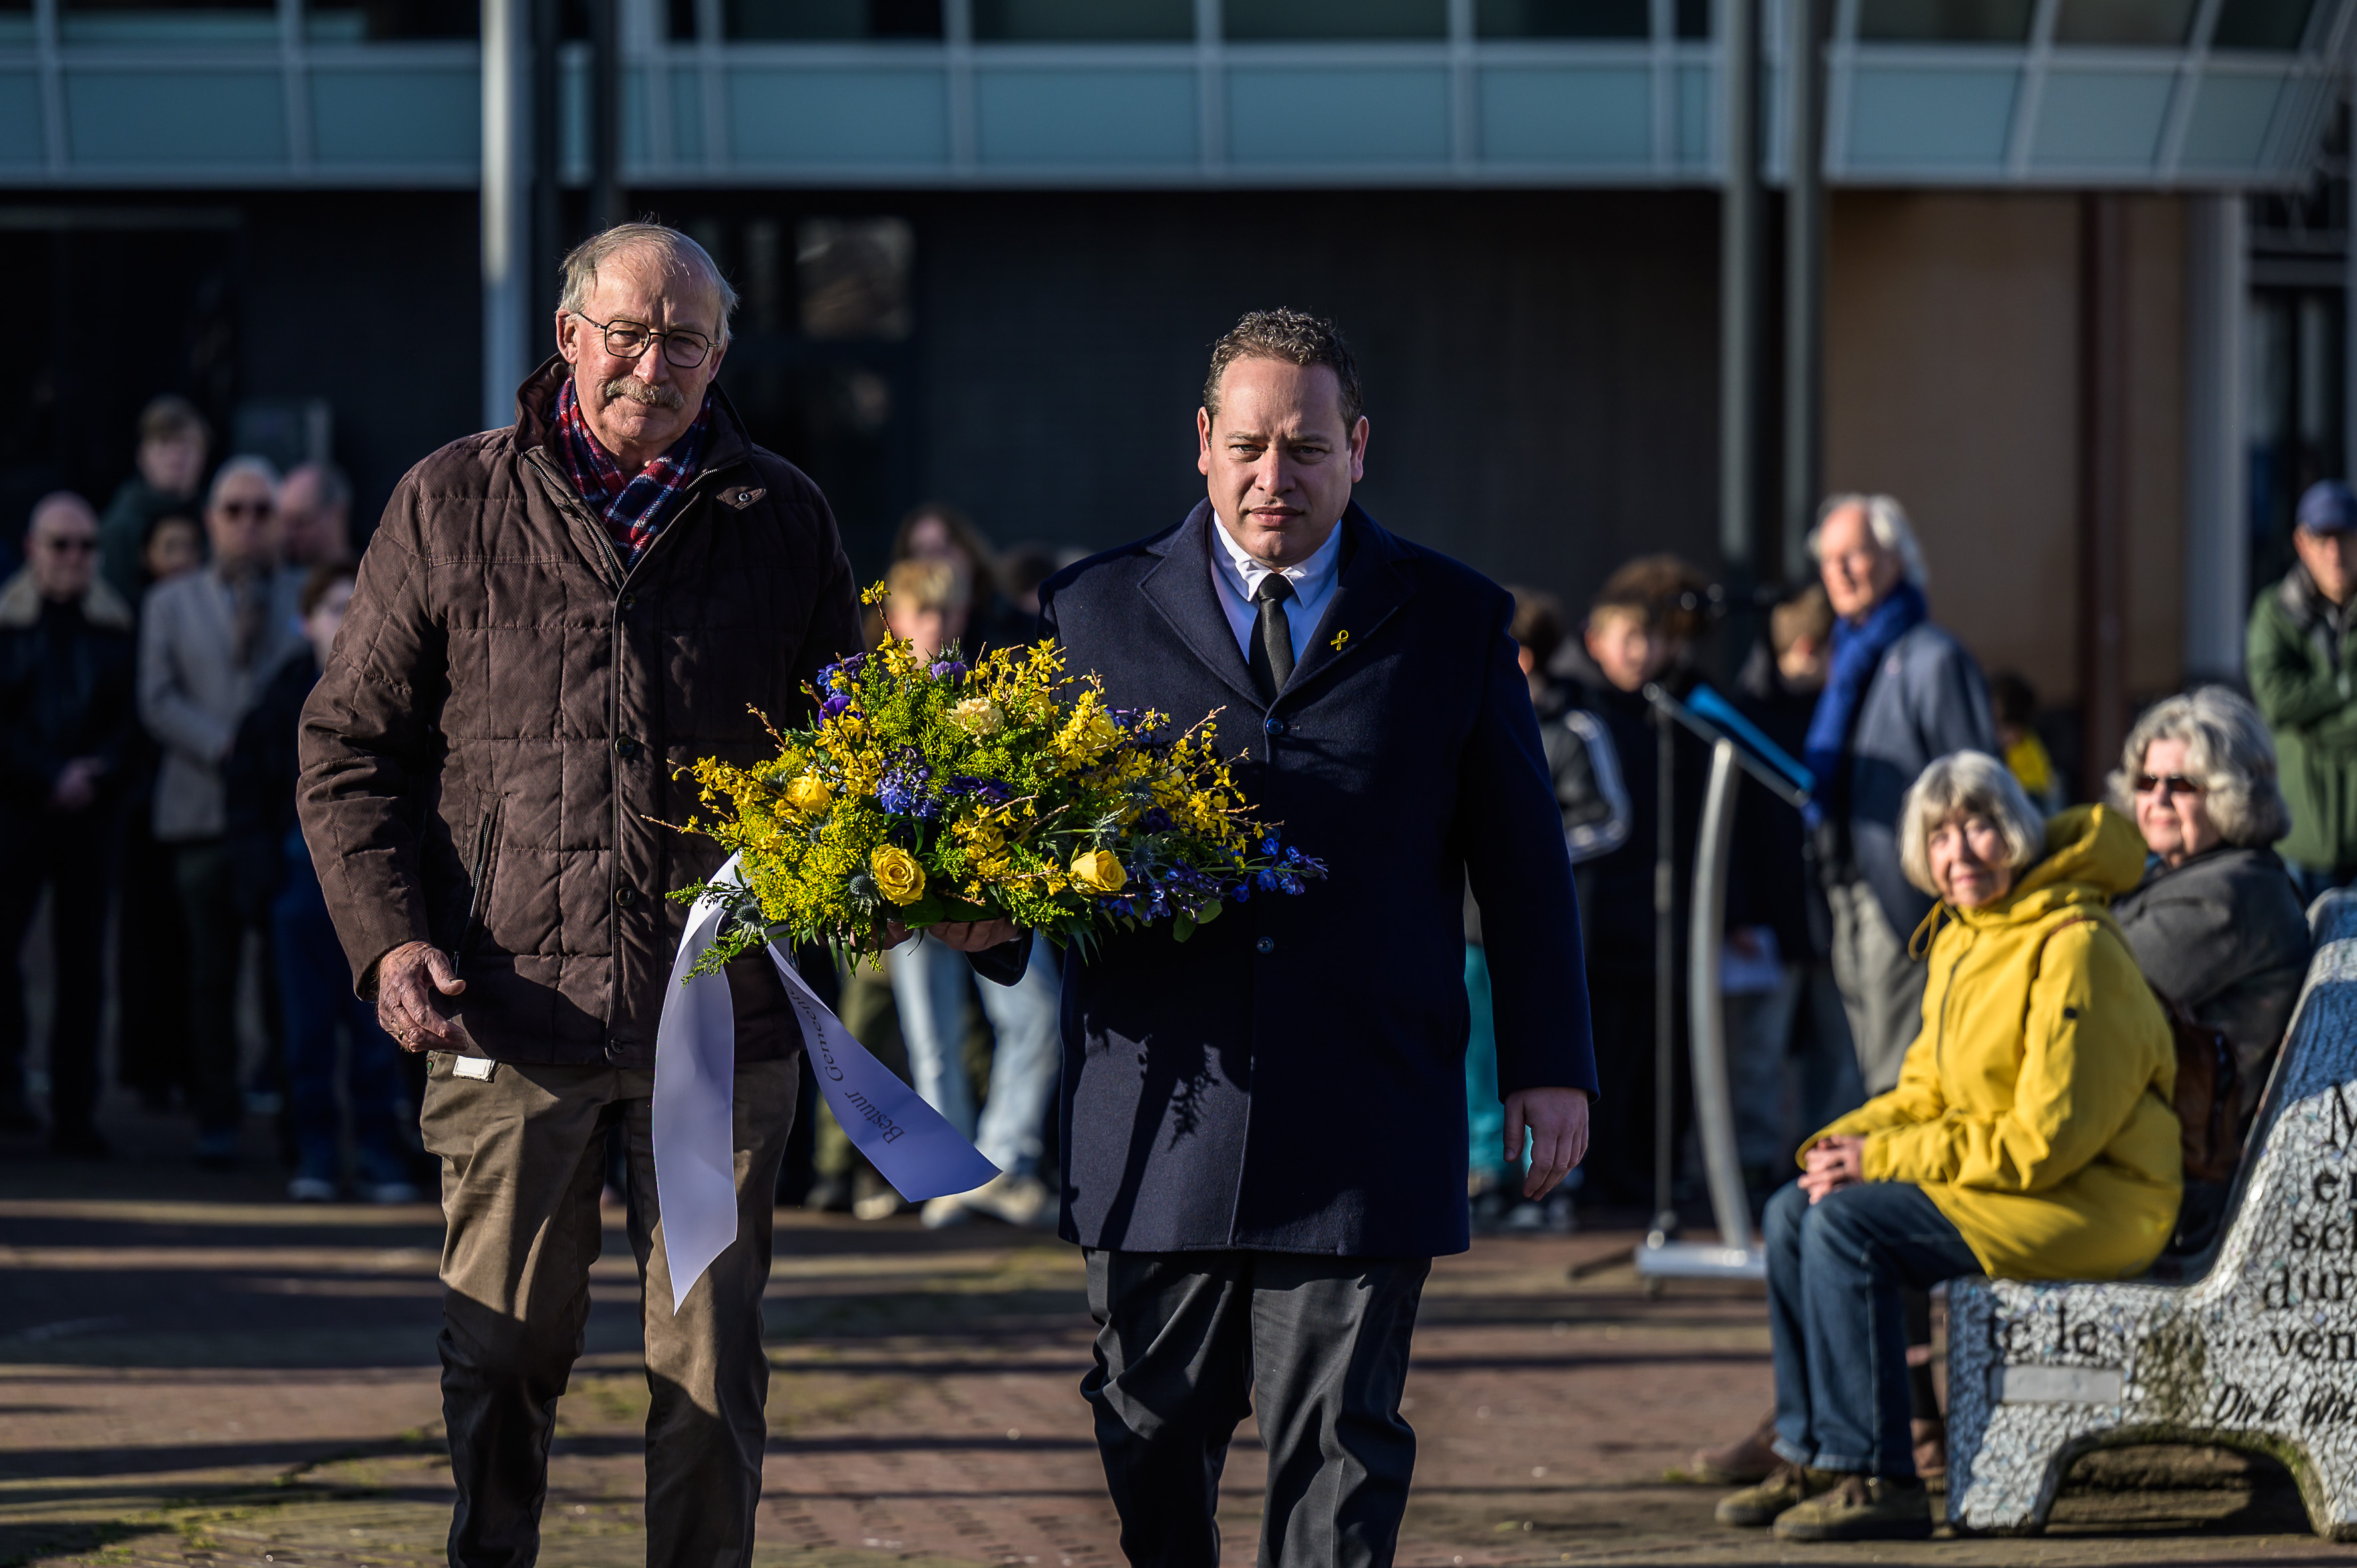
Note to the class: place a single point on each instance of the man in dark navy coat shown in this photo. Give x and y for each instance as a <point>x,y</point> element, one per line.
<point>1263,1127</point>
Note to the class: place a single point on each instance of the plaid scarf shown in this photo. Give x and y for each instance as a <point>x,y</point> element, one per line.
<point>635,506</point>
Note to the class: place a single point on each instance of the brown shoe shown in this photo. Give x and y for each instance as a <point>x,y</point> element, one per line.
<point>1756,1508</point>
<point>1860,1507</point>
<point>1930,1438</point>
<point>1738,1464</point>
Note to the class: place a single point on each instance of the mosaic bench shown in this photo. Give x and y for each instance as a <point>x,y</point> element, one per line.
<point>2259,1353</point>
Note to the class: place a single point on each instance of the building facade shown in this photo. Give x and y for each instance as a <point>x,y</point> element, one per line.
<point>984,243</point>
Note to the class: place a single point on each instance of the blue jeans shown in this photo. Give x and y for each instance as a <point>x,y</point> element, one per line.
<point>1835,1270</point>
<point>1485,1116</point>
<point>314,989</point>
<point>928,984</point>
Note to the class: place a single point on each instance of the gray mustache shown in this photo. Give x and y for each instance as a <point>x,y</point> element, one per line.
<point>638,390</point>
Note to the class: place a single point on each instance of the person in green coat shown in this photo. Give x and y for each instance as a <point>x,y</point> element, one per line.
<point>2303,668</point>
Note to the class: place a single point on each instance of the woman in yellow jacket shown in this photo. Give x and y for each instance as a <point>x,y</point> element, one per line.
<point>2030,1137</point>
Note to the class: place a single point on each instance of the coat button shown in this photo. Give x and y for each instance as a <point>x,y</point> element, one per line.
<point>625,897</point>
<point>627,602</point>
<point>625,748</point>
<point>1266,944</point>
<point>1274,727</point>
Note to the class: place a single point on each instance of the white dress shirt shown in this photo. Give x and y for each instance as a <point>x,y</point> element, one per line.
<point>1237,575</point>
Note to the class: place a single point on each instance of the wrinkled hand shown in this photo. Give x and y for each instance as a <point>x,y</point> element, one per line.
<point>1557,1121</point>
<point>966,935</point>
<point>76,789</point>
<point>1834,1162</point>
<point>406,980</point>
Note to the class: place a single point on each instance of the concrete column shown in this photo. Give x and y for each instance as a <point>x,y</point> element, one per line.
<point>2217,502</point>
<point>506,205</point>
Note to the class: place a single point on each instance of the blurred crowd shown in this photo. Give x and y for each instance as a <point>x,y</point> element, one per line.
<point>154,663</point>
<point>155,658</point>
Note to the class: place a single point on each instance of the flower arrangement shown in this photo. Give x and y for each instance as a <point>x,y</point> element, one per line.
<point>928,792</point>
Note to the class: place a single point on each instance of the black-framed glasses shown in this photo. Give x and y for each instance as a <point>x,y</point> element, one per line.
<point>72,545</point>
<point>2169,784</point>
<point>681,350</point>
<point>246,509</point>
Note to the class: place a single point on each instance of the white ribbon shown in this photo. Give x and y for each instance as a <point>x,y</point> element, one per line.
<point>695,1077</point>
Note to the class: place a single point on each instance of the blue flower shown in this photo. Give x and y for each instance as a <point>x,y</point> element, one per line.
<point>948,670</point>
<point>836,704</point>
<point>995,791</point>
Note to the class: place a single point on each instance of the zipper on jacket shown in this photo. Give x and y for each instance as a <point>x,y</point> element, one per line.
<point>624,571</point>
<point>486,835</point>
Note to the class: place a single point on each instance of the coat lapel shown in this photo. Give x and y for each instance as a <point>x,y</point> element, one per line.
<point>1374,586</point>
<point>1179,586</point>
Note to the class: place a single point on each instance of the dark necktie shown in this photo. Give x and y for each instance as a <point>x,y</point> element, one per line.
<point>1272,645</point>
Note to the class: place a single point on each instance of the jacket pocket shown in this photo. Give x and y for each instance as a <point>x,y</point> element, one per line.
<point>481,858</point>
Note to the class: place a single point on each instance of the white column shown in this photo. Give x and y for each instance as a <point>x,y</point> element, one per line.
<point>2217,506</point>
<point>507,207</point>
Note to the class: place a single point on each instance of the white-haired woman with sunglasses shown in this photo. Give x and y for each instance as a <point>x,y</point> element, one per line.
<point>2030,1137</point>
<point>2216,923</point>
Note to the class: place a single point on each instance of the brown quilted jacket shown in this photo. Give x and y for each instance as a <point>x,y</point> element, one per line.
<point>489,755</point>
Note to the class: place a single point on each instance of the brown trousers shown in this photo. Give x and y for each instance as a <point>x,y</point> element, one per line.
<point>523,1164</point>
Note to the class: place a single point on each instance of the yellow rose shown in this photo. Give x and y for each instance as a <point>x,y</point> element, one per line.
<point>898,873</point>
<point>1098,871</point>
<point>978,716</point>
<point>809,795</point>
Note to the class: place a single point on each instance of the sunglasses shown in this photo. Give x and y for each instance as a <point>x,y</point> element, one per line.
<point>70,546</point>
<point>246,509</point>
<point>2169,784</point>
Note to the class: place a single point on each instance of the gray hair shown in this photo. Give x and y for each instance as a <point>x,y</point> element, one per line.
<point>335,489</point>
<point>677,250</point>
<point>1961,783</point>
<point>2227,752</point>
<point>244,463</point>
<point>1887,520</point>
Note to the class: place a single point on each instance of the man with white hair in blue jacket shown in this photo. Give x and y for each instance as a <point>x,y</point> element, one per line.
<point>1898,692</point>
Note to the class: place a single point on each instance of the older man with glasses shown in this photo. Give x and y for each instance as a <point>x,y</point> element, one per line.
<point>209,644</point>
<point>550,619</point>
<point>66,716</point>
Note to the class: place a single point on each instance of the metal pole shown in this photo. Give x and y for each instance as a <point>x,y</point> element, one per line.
<point>547,164</point>
<point>605,115</point>
<point>506,215</point>
<point>1707,1036</point>
<point>1665,1213</point>
<point>1742,277</point>
<point>1805,280</point>
<point>2103,483</point>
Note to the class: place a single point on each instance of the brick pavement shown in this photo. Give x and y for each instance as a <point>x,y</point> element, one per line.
<point>191,1371</point>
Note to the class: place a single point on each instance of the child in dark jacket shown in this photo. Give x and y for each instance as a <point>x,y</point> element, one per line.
<point>275,875</point>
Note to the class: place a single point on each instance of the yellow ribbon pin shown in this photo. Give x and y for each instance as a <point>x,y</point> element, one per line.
<point>1339,639</point>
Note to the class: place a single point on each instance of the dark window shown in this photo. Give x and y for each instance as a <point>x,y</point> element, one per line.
<point>1083,21</point>
<point>682,20</point>
<point>1944,21</point>
<point>853,274</point>
<point>757,20</point>
<point>1694,18</point>
<point>1272,19</point>
<point>2269,25</point>
<point>2162,22</point>
<point>1563,20</point>
<point>381,21</point>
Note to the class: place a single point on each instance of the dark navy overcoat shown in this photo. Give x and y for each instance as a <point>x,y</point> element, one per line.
<point>1292,1077</point>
